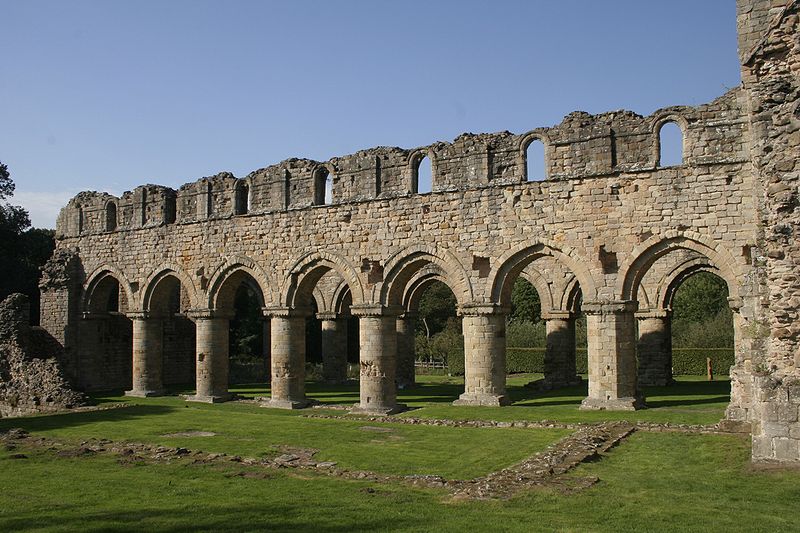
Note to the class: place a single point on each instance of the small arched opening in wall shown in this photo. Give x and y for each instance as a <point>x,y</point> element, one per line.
<point>241,198</point>
<point>170,209</point>
<point>535,160</point>
<point>109,364</point>
<point>111,216</point>
<point>670,142</point>
<point>421,173</point>
<point>323,186</point>
<point>81,222</point>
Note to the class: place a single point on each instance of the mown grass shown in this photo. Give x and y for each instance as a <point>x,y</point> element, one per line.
<point>650,482</point>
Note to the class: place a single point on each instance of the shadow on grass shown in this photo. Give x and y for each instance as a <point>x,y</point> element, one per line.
<point>262,517</point>
<point>80,418</point>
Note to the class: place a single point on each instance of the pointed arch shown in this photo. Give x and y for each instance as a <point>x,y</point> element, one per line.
<point>237,264</point>
<point>158,275</point>
<point>95,281</point>
<point>513,262</point>
<point>304,274</point>
<point>404,265</point>
<point>643,256</point>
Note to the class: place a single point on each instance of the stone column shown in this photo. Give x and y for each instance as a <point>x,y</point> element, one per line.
<point>148,357</point>
<point>211,365</point>
<point>612,356</point>
<point>406,326</point>
<point>484,329</point>
<point>378,354</point>
<point>334,347</point>
<point>560,366</point>
<point>288,357</point>
<point>655,348</point>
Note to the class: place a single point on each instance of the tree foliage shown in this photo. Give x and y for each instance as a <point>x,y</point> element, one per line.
<point>525,303</point>
<point>22,253</point>
<point>436,306</point>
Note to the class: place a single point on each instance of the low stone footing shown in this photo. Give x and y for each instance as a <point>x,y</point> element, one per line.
<point>614,404</point>
<point>490,400</point>
<point>276,403</point>
<point>144,393</point>
<point>209,399</point>
<point>357,409</point>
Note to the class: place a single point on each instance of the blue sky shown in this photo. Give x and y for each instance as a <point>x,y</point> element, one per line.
<point>107,95</point>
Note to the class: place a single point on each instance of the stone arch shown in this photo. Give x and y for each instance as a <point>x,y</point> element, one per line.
<point>656,247</point>
<point>511,264</point>
<point>158,276</point>
<point>95,283</point>
<point>525,141</point>
<point>402,267</point>
<point>658,121</point>
<point>414,160</point>
<point>571,296</point>
<point>307,271</point>
<point>669,285</point>
<point>535,278</point>
<point>218,297</point>
<point>419,282</point>
<point>342,297</point>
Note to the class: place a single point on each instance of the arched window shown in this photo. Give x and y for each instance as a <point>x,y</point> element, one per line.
<point>241,200</point>
<point>423,176</point>
<point>323,187</point>
<point>670,144</point>
<point>80,220</point>
<point>111,216</point>
<point>144,207</point>
<point>535,168</point>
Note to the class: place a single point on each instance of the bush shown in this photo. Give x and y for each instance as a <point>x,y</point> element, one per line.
<point>692,361</point>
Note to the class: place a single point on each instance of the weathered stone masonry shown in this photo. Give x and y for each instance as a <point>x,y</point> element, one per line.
<point>140,291</point>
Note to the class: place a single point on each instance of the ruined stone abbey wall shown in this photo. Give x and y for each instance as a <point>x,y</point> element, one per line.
<point>608,227</point>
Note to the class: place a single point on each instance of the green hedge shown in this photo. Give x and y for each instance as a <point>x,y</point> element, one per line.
<point>692,361</point>
<point>685,361</point>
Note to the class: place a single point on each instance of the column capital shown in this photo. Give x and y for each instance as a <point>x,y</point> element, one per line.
<point>375,310</point>
<point>286,312</point>
<point>327,315</point>
<point>408,315</point>
<point>558,314</point>
<point>609,307</point>
<point>653,313</point>
<point>482,309</point>
<point>93,315</point>
<point>208,314</point>
<point>139,314</point>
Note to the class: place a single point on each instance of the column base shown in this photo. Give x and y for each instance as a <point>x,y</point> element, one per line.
<point>357,409</point>
<point>545,384</point>
<point>613,404</point>
<point>209,399</point>
<point>285,404</point>
<point>144,393</point>
<point>479,398</point>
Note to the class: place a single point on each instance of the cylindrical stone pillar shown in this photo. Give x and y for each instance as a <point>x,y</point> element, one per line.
<point>211,364</point>
<point>559,357</point>
<point>655,348</point>
<point>378,360</point>
<point>484,328</point>
<point>147,356</point>
<point>612,356</point>
<point>406,356</point>
<point>288,358</point>
<point>334,347</point>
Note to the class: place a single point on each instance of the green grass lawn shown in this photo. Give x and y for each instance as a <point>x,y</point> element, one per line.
<point>650,482</point>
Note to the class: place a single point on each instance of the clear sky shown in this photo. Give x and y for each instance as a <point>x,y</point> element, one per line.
<point>107,95</point>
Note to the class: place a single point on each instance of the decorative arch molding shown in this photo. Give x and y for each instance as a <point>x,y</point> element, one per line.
<point>306,272</point>
<point>543,288</point>
<point>643,256</point>
<point>340,296</point>
<point>165,271</point>
<point>98,275</point>
<point>403,265</point>
<point>232,265</point>
<point>419,282</point>
<point>513,262</point>
<point>672,281</point>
